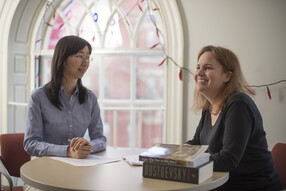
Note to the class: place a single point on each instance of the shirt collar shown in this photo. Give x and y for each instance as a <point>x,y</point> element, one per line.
<point>63,91</point>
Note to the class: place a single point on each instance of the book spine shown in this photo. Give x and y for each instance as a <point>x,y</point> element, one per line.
<point>165,161</point>
<point>169,172</point>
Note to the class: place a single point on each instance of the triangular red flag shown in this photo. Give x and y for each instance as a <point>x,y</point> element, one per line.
<point>140,8</point>
<point>162,62</point>
<point>180,74</point>
<point>154,46</point>
<point>268,92</point>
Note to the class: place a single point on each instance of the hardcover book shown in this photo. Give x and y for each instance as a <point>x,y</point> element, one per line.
<point>178,173</point>
<point>176,155</point>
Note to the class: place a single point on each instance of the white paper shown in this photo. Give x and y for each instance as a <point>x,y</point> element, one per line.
<point>133,160</point>
<point>91,160</point>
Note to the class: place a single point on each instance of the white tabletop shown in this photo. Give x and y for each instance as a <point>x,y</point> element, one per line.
<point>47,174</point>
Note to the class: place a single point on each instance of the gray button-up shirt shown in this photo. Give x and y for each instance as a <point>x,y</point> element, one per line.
<point>48,129</point>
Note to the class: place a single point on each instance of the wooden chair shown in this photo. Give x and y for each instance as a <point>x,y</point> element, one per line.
<point>13,156</point>
<point>279,157</point>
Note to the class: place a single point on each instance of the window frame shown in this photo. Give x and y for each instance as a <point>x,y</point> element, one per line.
<point>174,92</point>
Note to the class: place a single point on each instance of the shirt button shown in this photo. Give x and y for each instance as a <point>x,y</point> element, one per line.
<point>69,112</point>
<point>70,125</point>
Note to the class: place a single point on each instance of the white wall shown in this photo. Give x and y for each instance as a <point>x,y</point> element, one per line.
<point>6,8</point>
<point>256,31</point>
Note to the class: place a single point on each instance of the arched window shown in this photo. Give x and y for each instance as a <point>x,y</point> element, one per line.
<point>124,72</point>
<point>141,103</point>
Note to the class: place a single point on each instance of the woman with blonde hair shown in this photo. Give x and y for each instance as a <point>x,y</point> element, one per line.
<point>231,123</point>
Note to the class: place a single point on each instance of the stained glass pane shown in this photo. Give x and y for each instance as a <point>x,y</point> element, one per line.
<point>89,32</point>
<point>58,31</point>
<point>133,10</point>
<point>117,35</point>
<point>74,12</point>
<point>150,32</point>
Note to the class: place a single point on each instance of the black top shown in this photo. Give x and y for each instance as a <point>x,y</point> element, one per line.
<point>237,143</point>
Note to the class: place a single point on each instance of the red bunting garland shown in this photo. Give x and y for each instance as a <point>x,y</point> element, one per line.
<point>267,87</point>
<point>140,8</point>
<point>154,46</point>
<point>127,22</point>
<point>162,62</point>
<point>50,25</point>
<point>157,32</point>
<point>268,92</point>
<point>39,79</point>
<point>61,26</point>
<point>180,74</point>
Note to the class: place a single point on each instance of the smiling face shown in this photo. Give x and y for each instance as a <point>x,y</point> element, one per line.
<point>209,76</point>
<point>76,65</point>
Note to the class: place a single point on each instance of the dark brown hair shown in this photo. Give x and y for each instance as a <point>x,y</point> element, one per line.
<point>66,46</point>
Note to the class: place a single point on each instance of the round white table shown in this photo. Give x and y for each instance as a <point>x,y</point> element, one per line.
<point>48,174</point>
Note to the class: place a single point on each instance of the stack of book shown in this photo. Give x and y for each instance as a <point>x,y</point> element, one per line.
<point>182,163</point>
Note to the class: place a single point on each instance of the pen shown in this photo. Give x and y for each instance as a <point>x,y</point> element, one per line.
<point>69,140</point>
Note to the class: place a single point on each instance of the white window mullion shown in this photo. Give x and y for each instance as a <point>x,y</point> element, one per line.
<point>114,128</point>
<point>101,80</point>
<point>132,99</point>
<point>139,130</point>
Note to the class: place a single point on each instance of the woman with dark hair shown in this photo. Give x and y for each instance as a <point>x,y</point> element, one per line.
<point>60,112</point>
<point>231,123</point>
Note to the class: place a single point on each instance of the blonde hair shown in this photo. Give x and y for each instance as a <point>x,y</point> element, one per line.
<point>237,82</point>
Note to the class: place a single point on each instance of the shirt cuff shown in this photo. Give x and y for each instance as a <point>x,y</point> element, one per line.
<point>58,150</point>
<point>99,147</point>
